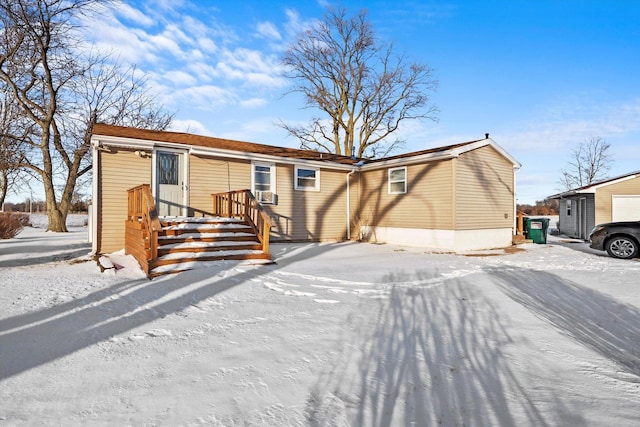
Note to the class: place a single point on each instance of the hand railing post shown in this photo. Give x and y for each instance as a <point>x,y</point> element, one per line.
<point>141,209</point>
<point>244,205</point>
<point>265,237</point>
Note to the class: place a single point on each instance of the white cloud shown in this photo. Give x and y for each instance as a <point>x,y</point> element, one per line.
<point>254,103</point>
<point>294,25</point>
<point>132,14</point>
<point>189,126</point>
<point>251,67</point>
<point>204,72</point>
<point>567,123</point>
<point>180,78</point>
<point>207,96</point>
<point>268,31</point>
<point>207,45</point>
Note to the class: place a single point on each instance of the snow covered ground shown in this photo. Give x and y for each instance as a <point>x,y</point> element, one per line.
<point>341,334</point>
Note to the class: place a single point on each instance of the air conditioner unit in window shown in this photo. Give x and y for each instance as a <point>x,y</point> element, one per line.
<point>264,196</point>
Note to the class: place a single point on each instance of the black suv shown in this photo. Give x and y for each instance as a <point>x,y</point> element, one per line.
<point>619,239</point>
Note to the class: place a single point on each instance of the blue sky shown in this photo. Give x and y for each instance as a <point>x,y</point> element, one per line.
<point>539,76</point>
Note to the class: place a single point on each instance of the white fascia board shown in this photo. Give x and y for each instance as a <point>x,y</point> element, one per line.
<point>114,141</point>
<point>492,143</point>
<point>615,181</point>
<point>443,155</point>
<point>204,151</point>
<point>592,188</point>
<point>572,193</point>
<point>431,157</point>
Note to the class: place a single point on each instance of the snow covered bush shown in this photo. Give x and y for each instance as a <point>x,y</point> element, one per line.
<point>12,223</point>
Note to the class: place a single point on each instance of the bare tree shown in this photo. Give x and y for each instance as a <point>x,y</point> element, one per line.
<point>364,90</point>
<point>12,147</point>
<point>590,162</point>
<point>63,93</point>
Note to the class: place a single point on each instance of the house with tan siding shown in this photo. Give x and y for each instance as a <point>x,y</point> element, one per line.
<point>454,198</point>
<point>610,200</point>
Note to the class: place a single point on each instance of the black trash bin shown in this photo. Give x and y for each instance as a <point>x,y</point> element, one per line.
<point>536,229</point>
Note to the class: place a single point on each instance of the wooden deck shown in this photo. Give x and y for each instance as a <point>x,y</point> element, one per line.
<point>238,229</point>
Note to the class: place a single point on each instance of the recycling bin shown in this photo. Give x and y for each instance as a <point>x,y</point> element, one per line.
<point>536,229</point>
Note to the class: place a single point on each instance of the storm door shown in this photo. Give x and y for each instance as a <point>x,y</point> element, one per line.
<point>170,194</point>
<point>583,219</point>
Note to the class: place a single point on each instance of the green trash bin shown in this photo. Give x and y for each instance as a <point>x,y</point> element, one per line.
<point>536,229</point>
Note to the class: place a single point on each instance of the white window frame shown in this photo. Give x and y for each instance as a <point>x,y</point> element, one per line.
<point>272,180</point>
<point>316,186</point>
<point>569,207</point>
<point>390,171</point>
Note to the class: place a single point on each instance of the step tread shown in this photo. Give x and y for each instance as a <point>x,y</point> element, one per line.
<point>194,265</point>
<point>201,220</point>
<point>191,226</point>
<point>214,244</point>
<point>205,235</point>
<point>219,254</point>
<point>186,243</point>
<point>212,250</point>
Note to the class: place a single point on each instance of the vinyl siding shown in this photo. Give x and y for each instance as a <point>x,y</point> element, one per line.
<point>297,215</point>
<point>428,202</point>
<point>309,215</point>
<point>567,222</point>
<point>210,175</point>
<point>119,172</point>
<point>581,221</point>
<point>484,190</point>
<point>604,197</point>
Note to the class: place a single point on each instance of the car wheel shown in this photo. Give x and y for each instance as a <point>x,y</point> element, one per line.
<point>622,247</point>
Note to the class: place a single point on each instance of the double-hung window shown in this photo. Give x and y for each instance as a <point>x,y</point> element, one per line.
<point>307,179</point>
<point>263,182</point>
<point>569,203</point>
<point>398,180</point>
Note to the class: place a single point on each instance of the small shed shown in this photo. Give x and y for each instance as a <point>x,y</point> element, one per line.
<point>611,200</point>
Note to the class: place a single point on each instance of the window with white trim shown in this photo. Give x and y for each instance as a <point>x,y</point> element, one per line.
<point>398,180</point>
<point>569,207</point>
<point>263,182</point>
<point>307,179</point>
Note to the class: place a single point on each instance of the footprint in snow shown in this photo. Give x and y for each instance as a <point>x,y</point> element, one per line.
<point>159,333</point>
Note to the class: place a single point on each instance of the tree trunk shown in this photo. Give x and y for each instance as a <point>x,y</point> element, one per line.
<point>57,220</point>
<point>56,215</point>
<point>4,186</point>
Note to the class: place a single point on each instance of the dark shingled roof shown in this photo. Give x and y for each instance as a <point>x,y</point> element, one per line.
<point>211,142</point>
<point>248,147</point>
<point>423,152</point>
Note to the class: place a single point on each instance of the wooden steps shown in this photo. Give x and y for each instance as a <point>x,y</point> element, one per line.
<point>184,243</point>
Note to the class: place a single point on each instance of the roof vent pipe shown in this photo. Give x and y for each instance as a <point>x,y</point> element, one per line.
<point>353,152</point>
<point>486,136</point>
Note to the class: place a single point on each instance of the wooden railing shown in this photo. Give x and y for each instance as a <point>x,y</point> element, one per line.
<point>242,204</point>
<point>142,226</point>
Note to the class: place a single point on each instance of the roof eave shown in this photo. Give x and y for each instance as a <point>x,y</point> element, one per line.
<point>145,144</point>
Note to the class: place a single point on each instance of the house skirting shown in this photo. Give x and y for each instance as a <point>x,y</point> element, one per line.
<point>450,240</point>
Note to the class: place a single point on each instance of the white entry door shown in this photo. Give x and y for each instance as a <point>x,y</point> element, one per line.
<point>170,193</point>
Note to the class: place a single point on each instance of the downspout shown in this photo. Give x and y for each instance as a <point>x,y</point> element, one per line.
<point>349,205</point>
<point>515,202</point>
<point>93,219</point>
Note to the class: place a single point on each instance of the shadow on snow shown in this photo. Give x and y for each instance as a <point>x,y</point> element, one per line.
<point>36,338</point>
<point>593,319</point>
<point>429,355</point>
